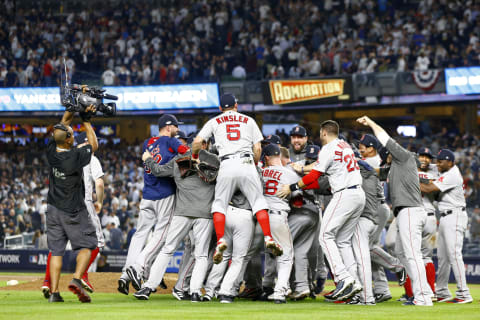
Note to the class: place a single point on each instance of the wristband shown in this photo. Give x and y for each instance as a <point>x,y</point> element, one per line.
<point>294,187</point>
<point>302,170</point>
<point>194,156</point>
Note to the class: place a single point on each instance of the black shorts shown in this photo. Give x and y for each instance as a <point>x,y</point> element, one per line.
<point>63,226</point>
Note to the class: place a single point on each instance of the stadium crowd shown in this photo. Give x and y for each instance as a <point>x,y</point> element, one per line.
<point>191,41</point>
<point>24,184</point>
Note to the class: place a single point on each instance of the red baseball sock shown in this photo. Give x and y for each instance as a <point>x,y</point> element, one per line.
<point>219,224</point>
<point>264,221</point>
<point>408,287</point>
<point>430,269</point>
<point>47,269</point>
<point>93,256</point>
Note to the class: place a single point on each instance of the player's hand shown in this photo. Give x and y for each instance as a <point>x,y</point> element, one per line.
<point>98,207</point>
<point>146,155</point>
<point>283,191</point>
<point>297,167</point>
<point>366,121</point>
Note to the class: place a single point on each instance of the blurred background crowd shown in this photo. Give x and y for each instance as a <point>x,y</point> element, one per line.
<point>158,42</point>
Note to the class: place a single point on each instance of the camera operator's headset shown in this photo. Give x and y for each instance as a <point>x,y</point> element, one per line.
<point>62,127</point>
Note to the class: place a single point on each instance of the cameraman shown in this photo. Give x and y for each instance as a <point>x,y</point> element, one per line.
<point>67,216</point>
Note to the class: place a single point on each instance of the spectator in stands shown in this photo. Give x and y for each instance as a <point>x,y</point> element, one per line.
<point>111,218</point>
<point>475,224</point>
<point>108,77</point>
<point>239,72</point>
<point>115,237</point>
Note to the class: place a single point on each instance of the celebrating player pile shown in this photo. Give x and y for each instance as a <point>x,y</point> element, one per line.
<point>309,210</point>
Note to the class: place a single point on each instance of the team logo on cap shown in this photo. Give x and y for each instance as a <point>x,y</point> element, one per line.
<point>311,150</point>
<point>297,129</point>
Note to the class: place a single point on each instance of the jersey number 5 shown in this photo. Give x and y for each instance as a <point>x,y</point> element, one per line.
<point>351,163</point>
<point>233,134</point>
<point>271,187</point>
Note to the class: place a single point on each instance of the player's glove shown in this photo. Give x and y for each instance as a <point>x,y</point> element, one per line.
<point>186,166</point>
<point>207,167</point>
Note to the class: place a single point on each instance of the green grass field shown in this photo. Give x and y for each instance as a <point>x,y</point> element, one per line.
<point>32,305</point>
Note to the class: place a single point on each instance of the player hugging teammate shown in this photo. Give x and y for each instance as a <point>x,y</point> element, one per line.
<point>309,210</point>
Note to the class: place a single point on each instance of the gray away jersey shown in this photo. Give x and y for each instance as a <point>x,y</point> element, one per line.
<point>370,184</point>
<point>193,197</point>
<point>403,181</point>
<point>273,177</point>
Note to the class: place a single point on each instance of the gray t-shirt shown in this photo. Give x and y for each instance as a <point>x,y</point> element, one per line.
<point>402,179</point>
<point>370,184</point>
<point>194,196</point>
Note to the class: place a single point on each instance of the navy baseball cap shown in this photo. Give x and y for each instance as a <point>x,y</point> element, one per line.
<point>81,137</point>
<point>271,150</point>
<point>425,152</point>
<point>369,141</point>
<point>298,131</point>
<point>181,135</point>
<point>168,119</point>
<point>312,152</point>
<point>446,154</point>
<point>273,138</point>
<point>227,100</point>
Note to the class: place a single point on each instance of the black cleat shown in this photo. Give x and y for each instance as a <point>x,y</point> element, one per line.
<point>55,297</point>
<point>342,286</point>
<point>195,297</point>
<point>354,300</point>
<point>178,294</point>
<point>380,297</point>
<point>143,294</point>
<point>266,291</point>
<point>136,280</point>
<point>226,299</point>
<point>163,285</point>
<point>319,286</point>
<point>250,293</point>
<point>402,276</point>
<point>123,286</point>
<point>206,298</point>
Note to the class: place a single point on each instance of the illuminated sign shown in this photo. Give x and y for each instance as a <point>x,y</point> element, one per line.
<point>462,80</point>
<point>281,92</point>
<point>186,96</point>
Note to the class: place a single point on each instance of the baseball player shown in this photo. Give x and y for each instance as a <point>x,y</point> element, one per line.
<point>337,161</point>
<point>274,174</point>
<point>156,207</point>
<point>239,233</point>
<point>182,137</point>
<point>237,139</point>
<point>427,172</point>
<point>191,189</point>
<point>381,259</point>
<point>452,227</point>
<point>304,222</point>
<point>404,188</point>
<point>298,143</point>
<point>92,175</point>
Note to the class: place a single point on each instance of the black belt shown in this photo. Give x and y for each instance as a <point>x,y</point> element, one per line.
<point>275,212</point>
<point>430,214</point>
<point>447,212</point>
<point>244,155</point>
<point>351,187</point>
<point>382,202</point>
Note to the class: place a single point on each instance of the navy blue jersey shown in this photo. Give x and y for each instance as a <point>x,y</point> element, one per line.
<point>163,149</point>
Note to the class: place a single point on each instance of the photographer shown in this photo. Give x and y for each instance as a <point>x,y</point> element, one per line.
<point>67,216</point>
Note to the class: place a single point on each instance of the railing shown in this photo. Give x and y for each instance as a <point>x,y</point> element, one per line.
<point>20,241</point>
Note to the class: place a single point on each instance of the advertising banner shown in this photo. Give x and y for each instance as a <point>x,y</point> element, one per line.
<point>462,80</point>
<point>188,96</point>
<point>308,91</point>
